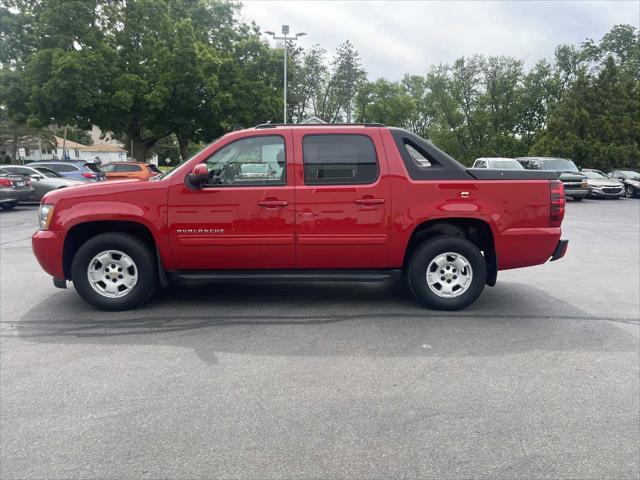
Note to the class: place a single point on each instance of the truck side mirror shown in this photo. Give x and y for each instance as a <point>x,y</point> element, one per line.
<point>198,177</point>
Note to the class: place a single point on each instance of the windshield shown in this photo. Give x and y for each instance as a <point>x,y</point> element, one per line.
<point>168,173</point>
<point>506,164</point>
<point>48,173</point>
<point>558,164</point>
<point>592,174</point>
<point>631,175</point>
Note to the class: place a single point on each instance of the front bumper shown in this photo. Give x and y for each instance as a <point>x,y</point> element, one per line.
<point>577,192</point>
<point>47,246</point>
<point>560,251</point>
<point>612,193</point>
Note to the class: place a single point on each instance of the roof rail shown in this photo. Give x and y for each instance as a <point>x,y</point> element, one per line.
<point>274,125</point>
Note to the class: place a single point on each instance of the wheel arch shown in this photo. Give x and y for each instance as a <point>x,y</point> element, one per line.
<point>475,230</point>
<point>81,232</point>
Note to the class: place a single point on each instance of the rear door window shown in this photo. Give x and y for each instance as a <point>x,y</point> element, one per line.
<point>418,157</point>
<point>62,167</point>
<point>339,159</point>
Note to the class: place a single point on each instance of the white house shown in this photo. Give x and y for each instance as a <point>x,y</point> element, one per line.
<point>106,152</point>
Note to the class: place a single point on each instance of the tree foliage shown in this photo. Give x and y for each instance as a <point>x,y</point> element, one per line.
<point>141,69</point>
<point>585,105</point>
<point>167,75</point>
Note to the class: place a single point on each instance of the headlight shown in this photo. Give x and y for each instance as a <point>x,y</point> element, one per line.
<point>44,216</point>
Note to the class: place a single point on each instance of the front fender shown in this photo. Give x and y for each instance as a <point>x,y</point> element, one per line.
<point>153,217</point>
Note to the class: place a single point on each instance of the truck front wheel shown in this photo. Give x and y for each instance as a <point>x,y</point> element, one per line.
<point>447,273</point>
<point>114,271</point>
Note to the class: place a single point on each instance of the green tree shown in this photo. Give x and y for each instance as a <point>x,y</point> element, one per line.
<point>597,122</point>
<point>348,76</point>
<point>141,69</point>
<point>385,102</point>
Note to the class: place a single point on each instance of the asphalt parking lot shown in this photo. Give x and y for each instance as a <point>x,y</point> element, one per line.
<point>538,379</point>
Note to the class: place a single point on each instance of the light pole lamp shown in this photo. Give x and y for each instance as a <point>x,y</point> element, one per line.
<point>285,38</point>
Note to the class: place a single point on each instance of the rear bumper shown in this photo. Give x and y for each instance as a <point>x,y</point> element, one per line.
<point>525,247</point>
<point>11,195</point>
<point>47,246</point>
<point>560,250</point>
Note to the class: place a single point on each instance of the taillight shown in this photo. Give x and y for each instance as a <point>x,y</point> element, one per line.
<point>28,182</point>
<point>88,175</point>
<point>556,209</point>
<point>5,182</point>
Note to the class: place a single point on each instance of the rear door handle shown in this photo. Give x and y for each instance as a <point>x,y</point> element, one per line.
<point>370,201</point>
<point>273,203</point>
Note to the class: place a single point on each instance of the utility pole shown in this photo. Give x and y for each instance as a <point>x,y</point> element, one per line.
<point>64,144</point>
<point>285,39</point>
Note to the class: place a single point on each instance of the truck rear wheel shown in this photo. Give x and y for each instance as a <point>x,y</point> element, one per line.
<point>114,271</point>
<point>447,273</point>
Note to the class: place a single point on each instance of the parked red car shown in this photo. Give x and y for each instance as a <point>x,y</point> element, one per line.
<point>334,202</point>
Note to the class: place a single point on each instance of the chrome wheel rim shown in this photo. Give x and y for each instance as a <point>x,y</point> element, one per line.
<point>449,275</point>
<point>112,273</point>
<point>628,191</point>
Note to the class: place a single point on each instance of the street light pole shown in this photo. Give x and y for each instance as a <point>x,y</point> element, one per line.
<point>285,39</point>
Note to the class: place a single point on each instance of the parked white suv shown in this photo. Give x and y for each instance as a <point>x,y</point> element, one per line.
<point>498,163</point>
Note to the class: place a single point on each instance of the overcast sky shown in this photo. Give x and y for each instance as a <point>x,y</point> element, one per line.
<point>397,37</point>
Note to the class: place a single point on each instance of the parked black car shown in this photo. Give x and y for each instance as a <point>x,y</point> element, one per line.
<point>575,183</point>
<point>631,181</point>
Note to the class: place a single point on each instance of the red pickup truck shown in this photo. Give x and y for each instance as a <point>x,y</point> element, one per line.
<point>296,202</point>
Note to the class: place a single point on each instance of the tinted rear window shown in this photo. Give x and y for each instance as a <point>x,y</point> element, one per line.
<point>92,167</point>
<point>339,159</point>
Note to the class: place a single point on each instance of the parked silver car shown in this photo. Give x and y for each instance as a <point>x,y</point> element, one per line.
<point>498,163</point>
<point>14,189</point>
<point>602,186</point>
<point>43,180</point>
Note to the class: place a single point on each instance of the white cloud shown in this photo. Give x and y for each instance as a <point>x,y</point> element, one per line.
<point>400,37</point>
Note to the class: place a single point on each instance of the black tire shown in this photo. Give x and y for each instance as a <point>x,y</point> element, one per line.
<point>8,205</point>
<point>577,199</point>
<point>428,251</point>
<point>628,191</point>
<point>130,245</point>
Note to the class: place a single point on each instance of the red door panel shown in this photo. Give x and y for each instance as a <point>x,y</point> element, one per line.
<point>342,226</point>
<point>234,227</point>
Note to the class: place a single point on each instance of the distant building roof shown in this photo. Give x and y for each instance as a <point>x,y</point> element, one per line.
<point>97,148</point>
<point>74,145</point>
<point>105,147</point>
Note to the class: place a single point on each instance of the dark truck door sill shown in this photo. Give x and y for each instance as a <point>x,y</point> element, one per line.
<point>288,275</point>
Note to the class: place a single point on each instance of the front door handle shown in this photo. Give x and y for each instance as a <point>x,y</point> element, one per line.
<point>370,201</point>
<point>273,203</point>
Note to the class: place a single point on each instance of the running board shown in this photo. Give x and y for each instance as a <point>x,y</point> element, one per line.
<point>288,275</point>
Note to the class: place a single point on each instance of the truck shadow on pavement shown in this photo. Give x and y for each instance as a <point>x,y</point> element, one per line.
<point>380,320</point>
